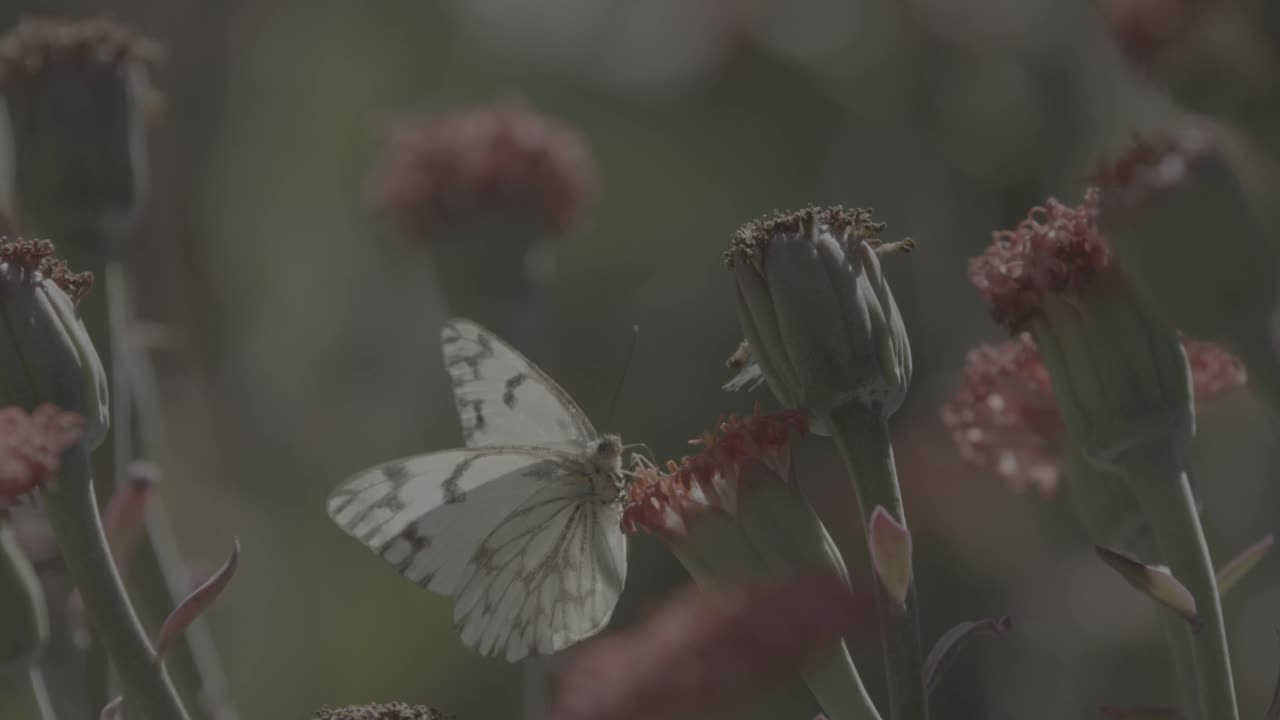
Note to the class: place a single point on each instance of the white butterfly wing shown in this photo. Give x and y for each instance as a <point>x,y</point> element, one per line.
<point>528,548</point>
<point>502,398</point>
<point>548,576</point>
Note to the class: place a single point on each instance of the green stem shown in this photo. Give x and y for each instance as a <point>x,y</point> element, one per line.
<point>862,437</point>
<point>73,513</point>
<point>23,695</point>
<point>1182,655</point>
<point>1165,497</point>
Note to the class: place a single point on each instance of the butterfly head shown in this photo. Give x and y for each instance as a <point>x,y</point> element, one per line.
<point>607,453</point>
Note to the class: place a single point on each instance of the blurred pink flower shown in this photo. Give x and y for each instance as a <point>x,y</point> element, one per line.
<point>1005,416</point>
<point>500,156</point>
<point>1145,28</point>
<point>700,649</point>
<point>31,447</point>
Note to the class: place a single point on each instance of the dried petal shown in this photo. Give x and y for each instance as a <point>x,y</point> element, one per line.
<point>197,602</point>
<point>1239,566</point>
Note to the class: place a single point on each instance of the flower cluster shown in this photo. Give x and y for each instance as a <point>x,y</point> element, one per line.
<point>500,155</point>
<point>1057,249</point>
<point>31,446</point>
<point>1005,416</point>
<point>662,503</point>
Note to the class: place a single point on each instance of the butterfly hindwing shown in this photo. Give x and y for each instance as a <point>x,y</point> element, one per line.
<point>520,537</point>
<point>502,398</point>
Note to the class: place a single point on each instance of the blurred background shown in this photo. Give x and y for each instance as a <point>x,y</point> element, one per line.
<point>309,317</point>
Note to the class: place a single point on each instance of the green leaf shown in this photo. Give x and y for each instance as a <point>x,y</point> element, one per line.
<point>948,647</point>
<point>1242,564</point>
<point>1154,581</point>
<point>1273,710</point>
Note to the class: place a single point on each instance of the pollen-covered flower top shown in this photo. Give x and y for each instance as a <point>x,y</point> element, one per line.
<point>1005,416</point>
<point>664,503</point>
<point>481,158</point>
<point>1057,249</point>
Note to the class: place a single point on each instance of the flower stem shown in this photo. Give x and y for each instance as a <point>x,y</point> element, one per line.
<point>73,513</point>
<point>862,437</point>
<point>1165,497</point>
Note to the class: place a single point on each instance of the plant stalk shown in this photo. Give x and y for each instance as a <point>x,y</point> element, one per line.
<point>862,437</point>
<point>73,513</point>
<point>23,695</point>
<point>1164,494</point>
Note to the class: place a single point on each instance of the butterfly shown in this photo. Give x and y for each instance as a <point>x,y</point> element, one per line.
<point>521,528</point>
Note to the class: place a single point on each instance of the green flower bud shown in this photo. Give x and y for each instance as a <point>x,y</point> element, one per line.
<point>1120,376</point>
<point>817,312</point>
<point>77,100</point>
<point>25,630</point>
<point>46,355</point>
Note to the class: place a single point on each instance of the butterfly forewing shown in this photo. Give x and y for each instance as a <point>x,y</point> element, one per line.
<point>502,398</point>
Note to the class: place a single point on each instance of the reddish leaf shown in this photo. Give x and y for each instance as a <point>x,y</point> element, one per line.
<point>197,602</point>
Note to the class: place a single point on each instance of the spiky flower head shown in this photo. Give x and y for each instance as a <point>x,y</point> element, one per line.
<point>817,312</point>
<point>668,503</point>
<point>46,355</point>
<point>79,101</point>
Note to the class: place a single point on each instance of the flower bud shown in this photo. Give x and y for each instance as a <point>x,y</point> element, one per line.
<point>77,99</point>
<point>1120,376</point>
<point>818,313</point>
<point>46,355</point>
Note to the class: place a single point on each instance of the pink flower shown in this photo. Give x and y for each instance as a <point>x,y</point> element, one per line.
<point>501,156</point>
<point>1005,416</point>
<point>664,503</point>
<point>31,447</point>
<point>700,649</point>
<point>1056,250</point>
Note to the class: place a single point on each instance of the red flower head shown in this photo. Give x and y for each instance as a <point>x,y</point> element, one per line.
<point>497,156</point>
<point>31,446</point>
<point>1056,250</point>
<point>1005,417</point>
<point>663,503</point>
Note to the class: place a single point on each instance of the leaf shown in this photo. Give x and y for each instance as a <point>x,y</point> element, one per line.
<point>197,602</point>
<point>948,647</point>
<point>1242,564</point>
<point>1141,712</point>
<point>111,711</point>
<point>1156,582</point>
<point>890,545</point>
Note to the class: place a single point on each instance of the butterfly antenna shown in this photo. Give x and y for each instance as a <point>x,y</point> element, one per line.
<point>617,391</point>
